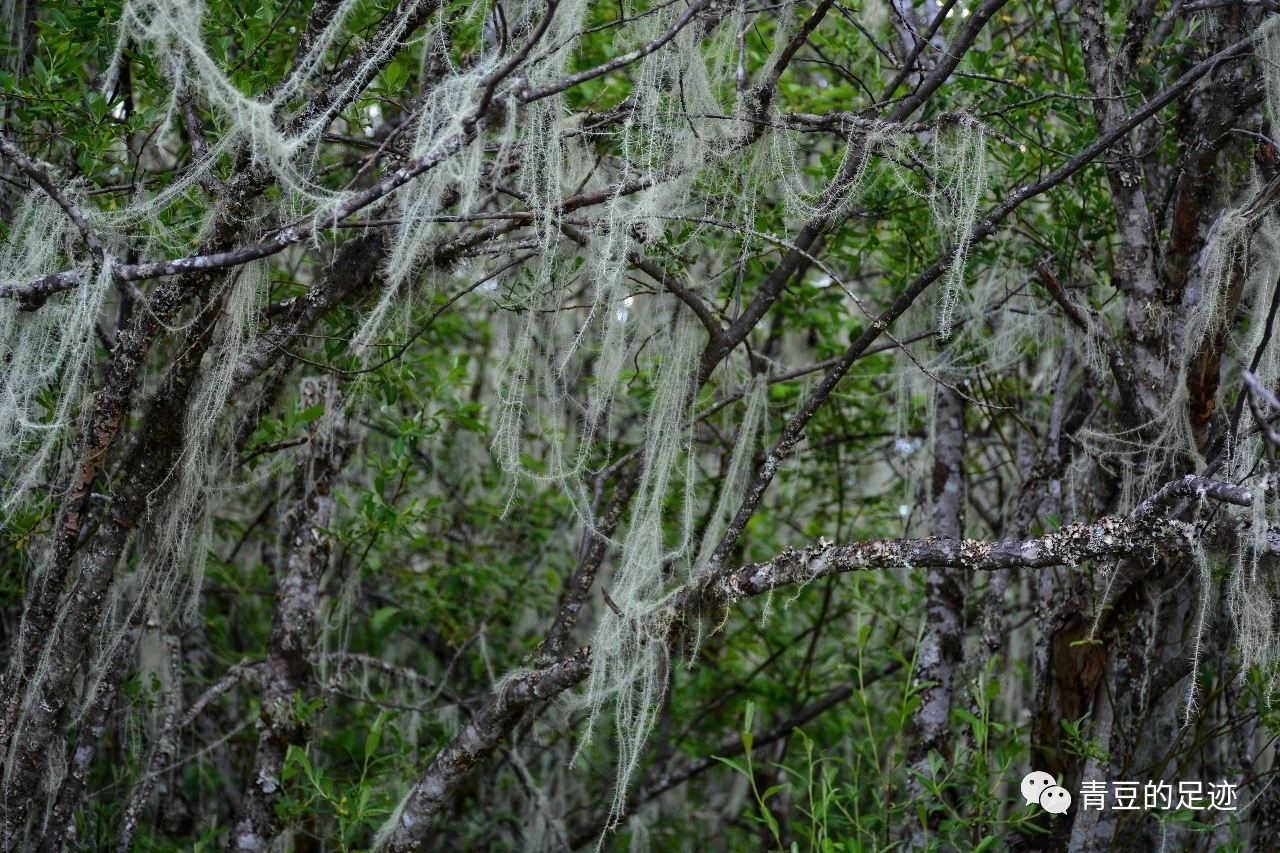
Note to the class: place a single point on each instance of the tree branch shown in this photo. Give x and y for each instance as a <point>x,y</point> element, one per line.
<point>569,82</point>
<point>1142,533</point>
<point>1130,402</point>
<point>940,650</point>
<point>354,268</point>
<point>33,295</point>
<point>762,95</point>
<point>477,740</point>
<point>32,171</point>
<point>288,678</point>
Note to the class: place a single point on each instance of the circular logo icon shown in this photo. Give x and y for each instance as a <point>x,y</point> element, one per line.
<point>1034,784</point>
<point>1055,799</point>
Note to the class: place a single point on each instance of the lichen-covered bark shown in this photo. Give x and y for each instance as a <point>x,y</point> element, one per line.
<point>49,697</point>
<point>1137,254</point>
<point>110,409</point>
<point>353,269</point>
<point>477,740</point>
<point>288,682</point>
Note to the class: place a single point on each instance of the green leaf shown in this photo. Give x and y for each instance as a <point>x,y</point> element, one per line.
<point>296,756</point>
<point>394,77</point>
<point>738,766</point>
<point>382,616</point>
<point>371,741</point>
<point>308,415</point>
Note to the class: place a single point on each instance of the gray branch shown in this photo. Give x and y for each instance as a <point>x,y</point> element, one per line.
<point>940,652</point>
<point>1143,534</point>
<point>287,675</point>
<point>32,171</point>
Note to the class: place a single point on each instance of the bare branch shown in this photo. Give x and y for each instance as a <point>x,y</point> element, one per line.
<point>1129,400</point>
<point>569,82</point>
<point>287,675</point>
<point>354,268</point>
<point>1204,5</point>
<point>31,296</point>
<point>762,95</point>
<point>668,281</point>
<point>230,679</point>
<point>509,67</point>
<point>270,447</point>
<point>1187,486</point>
<point>296,234</point>
<point>940,650</point>
<point>476,741</point>
<point>1254,389</point>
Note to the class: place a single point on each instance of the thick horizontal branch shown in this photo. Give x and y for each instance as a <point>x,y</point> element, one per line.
<point>1204,5</point>
<point>1143,532</point>
<point>1186,487</point>
<point>31,296</point>
<point>1108,537</point>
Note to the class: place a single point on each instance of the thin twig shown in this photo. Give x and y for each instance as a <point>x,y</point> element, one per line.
<point>1254,389</point>
<point>35,173</point>
<point>270,448</point>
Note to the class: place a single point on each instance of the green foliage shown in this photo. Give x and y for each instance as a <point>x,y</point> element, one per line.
<point>845,795</point>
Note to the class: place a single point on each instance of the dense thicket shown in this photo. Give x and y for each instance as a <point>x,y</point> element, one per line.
<point>652,425</point>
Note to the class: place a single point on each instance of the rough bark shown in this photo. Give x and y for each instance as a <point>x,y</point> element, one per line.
<point>288,682</point>
<point>353,269</point>
<point>940,653</point>
<point>477,740</point>
<point>158,448</point>
<point>110,409</point>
